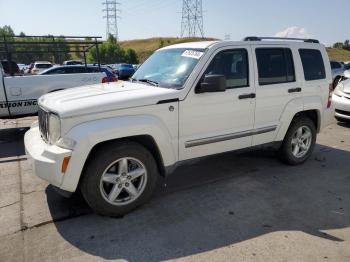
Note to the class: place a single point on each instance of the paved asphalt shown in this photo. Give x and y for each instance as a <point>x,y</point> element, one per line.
<point>229,207</point>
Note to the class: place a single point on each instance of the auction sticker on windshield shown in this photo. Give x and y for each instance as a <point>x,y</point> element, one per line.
<point>192,54</point>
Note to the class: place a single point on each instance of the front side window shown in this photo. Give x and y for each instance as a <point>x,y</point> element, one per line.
<point>169,67</point>
<point>275,65</point>
<point>313,64</point>
<point>233,64</point>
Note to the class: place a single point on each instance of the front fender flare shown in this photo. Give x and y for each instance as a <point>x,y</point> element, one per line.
<point>88,135</point>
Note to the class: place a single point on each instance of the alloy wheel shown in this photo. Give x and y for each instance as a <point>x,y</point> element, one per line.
<point>123,181</point>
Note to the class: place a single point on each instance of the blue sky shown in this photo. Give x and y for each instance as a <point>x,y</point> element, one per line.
<point>326,20</point>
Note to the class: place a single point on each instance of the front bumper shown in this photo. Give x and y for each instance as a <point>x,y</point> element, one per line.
<point>46,159</point>
<point>342,106</point>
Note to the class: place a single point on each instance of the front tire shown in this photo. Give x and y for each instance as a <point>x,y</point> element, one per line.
<point>118,178</point>
<point>299,141</point>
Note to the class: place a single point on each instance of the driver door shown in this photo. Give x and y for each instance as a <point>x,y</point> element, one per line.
<point>216,122</point>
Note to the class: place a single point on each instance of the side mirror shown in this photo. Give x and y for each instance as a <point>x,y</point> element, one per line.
<point>212,83</point>
<point>347,73</point>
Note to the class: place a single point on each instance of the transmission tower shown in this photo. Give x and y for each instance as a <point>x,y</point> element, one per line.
<point>111,11</point>
<point>192,18</point>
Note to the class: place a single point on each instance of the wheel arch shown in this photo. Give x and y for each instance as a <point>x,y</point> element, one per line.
<point>146,141</point>
<point>310,107</point>
<point>313,114</point>
<point>146,130</point>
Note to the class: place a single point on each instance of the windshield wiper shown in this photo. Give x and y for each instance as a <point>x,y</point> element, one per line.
<point>148,81</point>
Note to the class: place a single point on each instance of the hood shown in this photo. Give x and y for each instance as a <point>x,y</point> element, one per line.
<point>104,97</point>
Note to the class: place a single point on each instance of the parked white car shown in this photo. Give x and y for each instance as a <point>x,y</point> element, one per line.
<point>337,72</point>
<point>341,99</point>
<point>39,67</point>
<point>19,94</point>
<point>186,101</point>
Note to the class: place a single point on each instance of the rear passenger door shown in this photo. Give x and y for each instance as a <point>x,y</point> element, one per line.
<point>276,86</point>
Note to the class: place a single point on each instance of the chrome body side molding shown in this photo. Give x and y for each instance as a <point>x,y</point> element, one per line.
<point>216,139</point>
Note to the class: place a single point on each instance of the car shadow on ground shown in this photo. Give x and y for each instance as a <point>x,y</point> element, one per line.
<point>11,142</point>
<point>344,124</point>
<point>219,201</point>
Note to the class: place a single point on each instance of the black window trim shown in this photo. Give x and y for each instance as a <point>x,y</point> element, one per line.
<point>228,50</point>
<point>322,59</point>
<point>285,56</point>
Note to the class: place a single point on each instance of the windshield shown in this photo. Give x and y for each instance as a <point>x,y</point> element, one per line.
<point>169,67</point>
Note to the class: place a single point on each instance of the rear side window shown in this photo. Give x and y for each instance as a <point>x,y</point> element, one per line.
<point>313,64</point>
<point>275,65</point>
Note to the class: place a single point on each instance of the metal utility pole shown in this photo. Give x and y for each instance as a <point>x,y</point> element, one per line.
<point>111,16</point>
<point>192,18</point>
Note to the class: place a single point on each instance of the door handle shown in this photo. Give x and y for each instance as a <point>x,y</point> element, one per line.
<point>294,90</point>
<point>247,96</point>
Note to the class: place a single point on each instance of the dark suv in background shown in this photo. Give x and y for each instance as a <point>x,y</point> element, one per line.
<point>124,71</point>
<point>6,66</point>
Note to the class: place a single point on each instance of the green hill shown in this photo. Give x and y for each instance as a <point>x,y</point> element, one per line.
<point>145,47</point>
<point>338,54</point>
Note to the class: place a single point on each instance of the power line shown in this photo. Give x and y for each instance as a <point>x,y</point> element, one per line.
<point>112,17</point>
<point>192,18</point>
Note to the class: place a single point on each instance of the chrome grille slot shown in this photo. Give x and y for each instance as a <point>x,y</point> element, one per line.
<point>44,124</point>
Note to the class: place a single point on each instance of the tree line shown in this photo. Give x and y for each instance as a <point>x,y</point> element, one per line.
<point>110,51</point>
<point>345,45</point>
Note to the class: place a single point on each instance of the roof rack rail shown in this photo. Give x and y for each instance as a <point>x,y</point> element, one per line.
<point>257,38</point>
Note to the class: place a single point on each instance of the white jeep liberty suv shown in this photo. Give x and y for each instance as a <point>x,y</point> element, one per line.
<point>113,141</point>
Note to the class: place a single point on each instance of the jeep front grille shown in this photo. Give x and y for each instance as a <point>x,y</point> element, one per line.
<point>44,124</point>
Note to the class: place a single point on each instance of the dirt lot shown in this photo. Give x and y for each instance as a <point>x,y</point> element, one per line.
<point>230,207</point>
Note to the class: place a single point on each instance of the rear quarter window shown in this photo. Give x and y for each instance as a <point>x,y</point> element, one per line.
<point>313,64</point>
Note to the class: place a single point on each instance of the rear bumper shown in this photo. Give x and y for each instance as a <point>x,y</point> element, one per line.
<point>46,159</point>
<point>342,106</point>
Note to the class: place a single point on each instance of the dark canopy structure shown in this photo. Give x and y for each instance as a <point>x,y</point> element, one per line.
<point>49,44</point>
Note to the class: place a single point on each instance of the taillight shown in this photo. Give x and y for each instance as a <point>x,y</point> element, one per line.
<point>114,79</point>
<point>329,102</point>
<point>105,80</point>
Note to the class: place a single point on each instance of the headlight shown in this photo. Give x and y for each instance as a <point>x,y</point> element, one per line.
<point>54,128</point>
<point>66,143</point>
<point>339,90</point>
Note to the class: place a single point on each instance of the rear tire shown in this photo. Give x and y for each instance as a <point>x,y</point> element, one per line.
<point>118,178</point>
<point>299,142</point>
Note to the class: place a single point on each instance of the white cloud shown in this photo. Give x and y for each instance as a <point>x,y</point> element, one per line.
<point>294,31</point>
